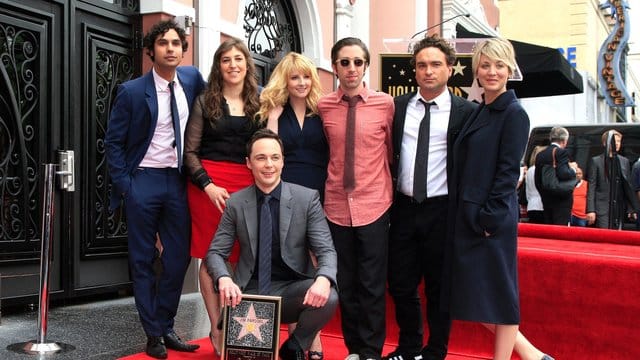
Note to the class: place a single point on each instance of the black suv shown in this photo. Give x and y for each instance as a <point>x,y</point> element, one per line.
<point>585,141</point>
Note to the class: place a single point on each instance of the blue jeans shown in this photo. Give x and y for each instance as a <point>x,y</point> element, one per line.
<point>576,221</point>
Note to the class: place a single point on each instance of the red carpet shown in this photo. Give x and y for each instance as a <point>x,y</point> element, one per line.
<point>579,295</point>
<point>333,350</point>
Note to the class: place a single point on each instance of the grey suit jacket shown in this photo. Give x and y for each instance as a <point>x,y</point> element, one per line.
<point>598,190</point>
<point>303,227</point>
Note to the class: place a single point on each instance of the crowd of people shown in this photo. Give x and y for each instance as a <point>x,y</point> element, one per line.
<point>324,200</point>
<point>607,197</point>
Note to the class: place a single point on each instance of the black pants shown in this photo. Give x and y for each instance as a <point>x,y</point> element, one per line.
<point>416,252</point>
<point>557,211</point>
<point>362,274</point>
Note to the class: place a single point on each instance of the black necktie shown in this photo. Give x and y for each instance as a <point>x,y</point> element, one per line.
<point>175,117</point>
<point>422,156</point>
<point>349,178</point>
<point>264,250</point>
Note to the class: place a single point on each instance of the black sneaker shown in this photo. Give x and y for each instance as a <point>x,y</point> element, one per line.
<point>401,355</point>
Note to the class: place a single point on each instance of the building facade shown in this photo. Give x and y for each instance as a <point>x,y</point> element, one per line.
<point>62,61</point>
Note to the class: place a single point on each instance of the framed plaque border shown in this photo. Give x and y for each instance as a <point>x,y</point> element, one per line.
<point>231,351</point>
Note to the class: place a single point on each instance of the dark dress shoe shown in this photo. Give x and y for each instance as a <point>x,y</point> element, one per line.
<point>173,342</point>
<point>156,348</point>
<point>291,350</point>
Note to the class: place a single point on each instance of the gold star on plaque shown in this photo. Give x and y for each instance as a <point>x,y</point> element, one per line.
<point>250,324</point>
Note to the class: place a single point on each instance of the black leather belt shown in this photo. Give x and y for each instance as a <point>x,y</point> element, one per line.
<point>410,200</point>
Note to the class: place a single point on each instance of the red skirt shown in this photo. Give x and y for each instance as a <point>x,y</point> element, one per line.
<point>205,217</point>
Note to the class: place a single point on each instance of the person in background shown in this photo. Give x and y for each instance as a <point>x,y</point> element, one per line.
<point>523,175</point>
<point>482,259</point>
<point>143,149</point>
<point>358,194</point>
<point>578,211</point>
<point>603,172</point>
<point>635,179</point>
<point>296,226</point>
<point>221,124</point>
<point>557,208</point>
<point>521,189</point>
<point>289,104</point>
<point>535,210</point>
<point>419,215</point>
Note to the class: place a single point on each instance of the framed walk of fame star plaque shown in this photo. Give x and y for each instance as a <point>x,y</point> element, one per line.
<point>251,330</point>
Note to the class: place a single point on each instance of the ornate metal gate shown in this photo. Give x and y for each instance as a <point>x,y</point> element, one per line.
<point>60,62</point>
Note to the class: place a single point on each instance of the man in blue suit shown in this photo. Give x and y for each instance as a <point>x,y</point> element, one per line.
<point>144,149</point>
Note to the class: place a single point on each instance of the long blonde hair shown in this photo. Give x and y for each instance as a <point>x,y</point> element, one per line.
<point>276,93</point>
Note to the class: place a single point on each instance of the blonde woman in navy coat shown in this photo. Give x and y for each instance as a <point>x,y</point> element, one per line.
<point>487,154</point>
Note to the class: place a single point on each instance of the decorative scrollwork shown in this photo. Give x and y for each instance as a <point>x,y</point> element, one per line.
<point>267,30</point>
<point>112,69</point>
<point>19,119</point>
<point>131,5</point>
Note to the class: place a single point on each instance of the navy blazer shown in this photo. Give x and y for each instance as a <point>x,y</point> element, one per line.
<point>483,270</point>
<point>486,171</point>
<point>132,123</point>
<point>461,110</point>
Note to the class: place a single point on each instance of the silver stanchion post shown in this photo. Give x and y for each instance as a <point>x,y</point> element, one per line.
<point>41,346</point>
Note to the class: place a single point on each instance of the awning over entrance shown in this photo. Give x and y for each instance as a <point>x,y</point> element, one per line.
<point>545,71</point>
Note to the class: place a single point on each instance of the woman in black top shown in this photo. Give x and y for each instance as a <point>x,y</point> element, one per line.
<point>220,125</point>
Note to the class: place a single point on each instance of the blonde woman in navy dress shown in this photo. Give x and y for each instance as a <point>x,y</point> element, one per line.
<point>484,204</point>
<point>289,103</point>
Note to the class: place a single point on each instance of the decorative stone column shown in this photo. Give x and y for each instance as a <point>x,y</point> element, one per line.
<point>344,19</point>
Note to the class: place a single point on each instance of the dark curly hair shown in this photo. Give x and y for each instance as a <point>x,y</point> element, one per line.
<point>435,41</point>
<point>160,29</point>
<point>214,102</point>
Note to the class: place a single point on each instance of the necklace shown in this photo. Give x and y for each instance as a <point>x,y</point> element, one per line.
<point>234,104</point>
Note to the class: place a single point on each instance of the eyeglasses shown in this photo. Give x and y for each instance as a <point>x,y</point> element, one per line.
<point>346,62</point>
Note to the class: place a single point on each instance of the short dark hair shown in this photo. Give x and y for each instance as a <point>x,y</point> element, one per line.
<point>160,29</point>
<point>349,41</point>
<point>437,42</point>
<point>263,133</point>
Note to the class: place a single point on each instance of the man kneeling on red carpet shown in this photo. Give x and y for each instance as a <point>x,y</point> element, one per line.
<point>277,225</point>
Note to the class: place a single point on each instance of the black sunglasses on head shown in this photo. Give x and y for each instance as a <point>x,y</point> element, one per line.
<point>346,62</point>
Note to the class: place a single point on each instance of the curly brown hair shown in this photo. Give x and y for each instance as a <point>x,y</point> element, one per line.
<point>435,41</point>
<point>214,102</point>
<point>160,29</point>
